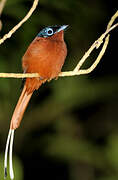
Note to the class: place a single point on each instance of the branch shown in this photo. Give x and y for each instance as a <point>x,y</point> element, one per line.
<point>96,45</point>
<point>6,36</point>
<point>77,70</point>
<point>18,75</point>
<point>93,66</point>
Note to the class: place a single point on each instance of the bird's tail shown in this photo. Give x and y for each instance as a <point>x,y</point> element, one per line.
<point>20,108</point>
<point>15,122</point>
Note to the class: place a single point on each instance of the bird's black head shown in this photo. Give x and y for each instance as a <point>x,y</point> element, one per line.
<point>51,30</point>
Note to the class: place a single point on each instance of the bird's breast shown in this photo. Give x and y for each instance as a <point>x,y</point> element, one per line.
<point>45,57</point>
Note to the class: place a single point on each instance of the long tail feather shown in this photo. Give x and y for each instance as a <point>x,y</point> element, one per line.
<point>15,122</point>
<point>11,172</point>
<point>6,152</point>
<point>9,143</point>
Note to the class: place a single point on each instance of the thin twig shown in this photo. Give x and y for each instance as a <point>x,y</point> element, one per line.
<point>18,75</point>
<point>112,20</point>
<point>35,3</point>
<point>93,66</point>
<point>96,44</point>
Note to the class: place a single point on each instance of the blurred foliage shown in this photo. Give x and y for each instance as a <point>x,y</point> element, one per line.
<point>70,128</point>
<point>17,168</point>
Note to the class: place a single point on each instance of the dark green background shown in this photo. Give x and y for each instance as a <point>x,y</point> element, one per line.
<point>70,128</point>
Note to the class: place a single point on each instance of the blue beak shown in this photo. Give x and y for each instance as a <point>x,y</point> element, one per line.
<point>63,27</point>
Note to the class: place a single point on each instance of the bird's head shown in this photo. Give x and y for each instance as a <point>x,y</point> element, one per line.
<point>52,31</point>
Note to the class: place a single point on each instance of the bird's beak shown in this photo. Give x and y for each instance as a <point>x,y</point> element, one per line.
<point>63,27</point>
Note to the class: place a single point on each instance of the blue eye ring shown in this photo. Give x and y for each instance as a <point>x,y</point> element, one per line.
<point>50,32</point>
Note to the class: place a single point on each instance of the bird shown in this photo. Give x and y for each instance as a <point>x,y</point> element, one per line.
<point>45,55</point>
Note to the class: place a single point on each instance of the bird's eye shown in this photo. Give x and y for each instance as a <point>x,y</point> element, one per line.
<point>50,32</point>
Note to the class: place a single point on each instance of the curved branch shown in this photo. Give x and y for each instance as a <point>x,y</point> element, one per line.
<point>6,36</point>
